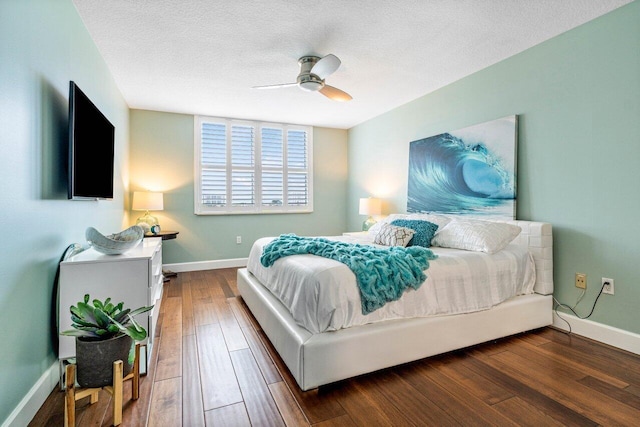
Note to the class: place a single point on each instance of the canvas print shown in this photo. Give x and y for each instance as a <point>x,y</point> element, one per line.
<point>471,171</point>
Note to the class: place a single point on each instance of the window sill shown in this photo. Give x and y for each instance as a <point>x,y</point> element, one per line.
<point>255,212</point>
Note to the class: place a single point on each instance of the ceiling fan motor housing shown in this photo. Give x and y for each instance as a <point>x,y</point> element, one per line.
<point>307,80</point>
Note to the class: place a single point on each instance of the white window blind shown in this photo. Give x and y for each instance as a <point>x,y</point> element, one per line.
<point>252,167</point>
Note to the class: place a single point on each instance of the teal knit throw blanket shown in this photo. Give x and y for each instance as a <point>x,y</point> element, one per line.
<point>382,274</point>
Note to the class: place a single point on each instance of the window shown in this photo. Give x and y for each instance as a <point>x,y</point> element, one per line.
<point>252,167</point>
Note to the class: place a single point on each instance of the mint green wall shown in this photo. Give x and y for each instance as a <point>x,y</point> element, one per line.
<point>578,101</point>
<point>162,160</point>
<point>43,45</point>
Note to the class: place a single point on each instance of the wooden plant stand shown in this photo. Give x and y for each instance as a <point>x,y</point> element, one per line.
<point>72,394</point>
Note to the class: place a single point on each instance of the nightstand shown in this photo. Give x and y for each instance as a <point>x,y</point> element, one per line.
<point>165,235</point>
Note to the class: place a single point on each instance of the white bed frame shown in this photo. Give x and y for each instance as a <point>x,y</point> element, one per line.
<point>318,359</point>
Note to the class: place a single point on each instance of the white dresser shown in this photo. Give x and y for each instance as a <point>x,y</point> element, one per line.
<point>134,277</point>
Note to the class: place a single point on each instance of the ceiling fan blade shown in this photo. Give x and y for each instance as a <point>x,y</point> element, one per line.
<point>335,93</point>
<point>326,66</point>
<point>275,86</point>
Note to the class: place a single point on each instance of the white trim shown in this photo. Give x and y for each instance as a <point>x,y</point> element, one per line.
<point>264,211</point>
<point>35,398</point>
<point>615,337</point>
<point>206,265</point>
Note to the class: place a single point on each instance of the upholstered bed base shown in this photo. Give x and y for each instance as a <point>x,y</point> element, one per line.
<point>318,359</point>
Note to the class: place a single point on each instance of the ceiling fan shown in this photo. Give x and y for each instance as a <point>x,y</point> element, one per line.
<point>313,71</point>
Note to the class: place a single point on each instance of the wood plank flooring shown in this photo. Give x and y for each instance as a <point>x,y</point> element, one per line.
<point>214,366</point>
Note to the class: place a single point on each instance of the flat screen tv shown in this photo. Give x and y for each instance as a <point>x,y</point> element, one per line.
<point>91,149</point>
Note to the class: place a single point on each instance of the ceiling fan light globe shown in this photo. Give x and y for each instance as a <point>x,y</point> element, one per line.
<point>311,85</point>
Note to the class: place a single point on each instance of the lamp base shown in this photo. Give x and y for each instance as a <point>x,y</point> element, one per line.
<point>147,221</point>
<point>366,225</point>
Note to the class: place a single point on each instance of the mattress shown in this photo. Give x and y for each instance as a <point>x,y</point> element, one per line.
<point>322,294</point>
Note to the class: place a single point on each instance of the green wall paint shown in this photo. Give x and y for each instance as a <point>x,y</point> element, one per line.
<point>578,101</point>
<point>43,45</point>
<point>162,160</point>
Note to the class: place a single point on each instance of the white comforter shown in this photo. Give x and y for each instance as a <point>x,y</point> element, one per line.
<point>322,294</point>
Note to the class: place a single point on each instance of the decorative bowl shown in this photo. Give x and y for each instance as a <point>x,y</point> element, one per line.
<point>114,244</point>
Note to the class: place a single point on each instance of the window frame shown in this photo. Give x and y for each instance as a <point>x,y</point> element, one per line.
<point>258,208</point>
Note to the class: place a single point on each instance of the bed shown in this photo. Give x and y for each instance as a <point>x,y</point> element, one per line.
<point>330,345</point>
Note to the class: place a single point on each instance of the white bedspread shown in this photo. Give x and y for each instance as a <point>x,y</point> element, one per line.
<point>322,294</point>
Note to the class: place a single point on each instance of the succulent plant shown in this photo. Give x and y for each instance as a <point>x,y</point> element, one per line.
<point>101,320</point>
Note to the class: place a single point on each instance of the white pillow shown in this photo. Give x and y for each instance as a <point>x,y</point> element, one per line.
<point>391,235</point>
<point>476,235</point>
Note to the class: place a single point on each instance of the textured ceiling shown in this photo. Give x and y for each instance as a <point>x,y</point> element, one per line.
<point>203,56</point>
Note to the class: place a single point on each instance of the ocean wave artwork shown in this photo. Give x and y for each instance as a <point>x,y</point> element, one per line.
<point>471,171</point>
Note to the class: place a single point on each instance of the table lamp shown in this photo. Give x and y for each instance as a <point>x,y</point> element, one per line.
<point>369,207</point>
<point>147,201</point>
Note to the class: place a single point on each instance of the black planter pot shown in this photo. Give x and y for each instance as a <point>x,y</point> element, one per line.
<point>94,360</point>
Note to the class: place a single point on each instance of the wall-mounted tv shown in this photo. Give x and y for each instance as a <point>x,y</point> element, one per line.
<point>91,149</point>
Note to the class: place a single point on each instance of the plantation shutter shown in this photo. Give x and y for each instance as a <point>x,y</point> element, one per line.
<point>297,182</point>
<point>214,164</point>
<point>252,167</point>
<point>242,166</point>
<point>272,167</point>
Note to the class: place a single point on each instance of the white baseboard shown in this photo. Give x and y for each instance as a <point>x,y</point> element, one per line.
<point>615,337</point>
<point>35,398</point>
<point>206,265</point>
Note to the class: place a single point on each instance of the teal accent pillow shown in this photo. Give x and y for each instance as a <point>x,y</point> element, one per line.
<point>424,231</point>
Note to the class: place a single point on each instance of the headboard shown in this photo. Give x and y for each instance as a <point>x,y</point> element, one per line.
<point>538,238</point>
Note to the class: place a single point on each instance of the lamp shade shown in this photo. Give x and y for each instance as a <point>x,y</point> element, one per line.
<point>370,206</point>
<point>147,201</point>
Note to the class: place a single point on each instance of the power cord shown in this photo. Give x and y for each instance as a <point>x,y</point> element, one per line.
<point>582,294</point>
<point>71,250</point>
<point>572,309</point>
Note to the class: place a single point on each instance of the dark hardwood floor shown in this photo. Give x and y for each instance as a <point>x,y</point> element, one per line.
<point>214,366</point>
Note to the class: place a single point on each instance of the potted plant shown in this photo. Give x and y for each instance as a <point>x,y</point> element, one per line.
<point>104,333</point>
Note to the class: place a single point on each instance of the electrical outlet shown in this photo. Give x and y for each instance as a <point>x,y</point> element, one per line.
<point>238,239</point>
<point>581,280</point>
<point>607,289</point>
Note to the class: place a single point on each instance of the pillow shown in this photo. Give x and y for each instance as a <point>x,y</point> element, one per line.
<point>476,235</point>
<point>424,231</point>
<point>375,228</point>
<point>390,235</point>
<point>439,220</point>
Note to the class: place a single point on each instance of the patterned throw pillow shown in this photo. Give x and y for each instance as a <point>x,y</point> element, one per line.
<point>424,231</point>
<point>390,235</point>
